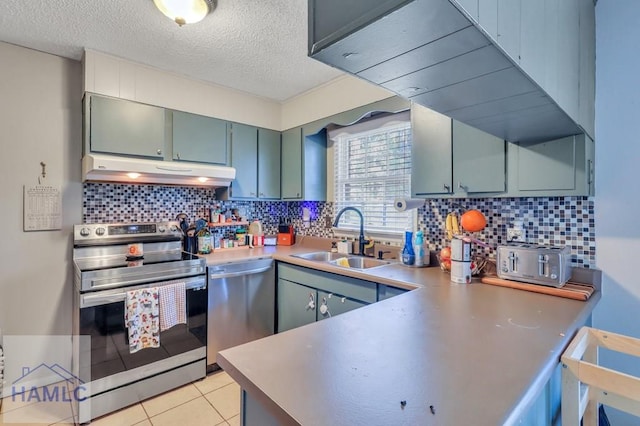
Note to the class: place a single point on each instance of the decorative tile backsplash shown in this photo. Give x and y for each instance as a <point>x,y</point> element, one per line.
<point>547,220</point>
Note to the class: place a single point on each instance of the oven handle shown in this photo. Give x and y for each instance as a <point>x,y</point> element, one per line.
<point>221,274</point>
<point>100,298</point>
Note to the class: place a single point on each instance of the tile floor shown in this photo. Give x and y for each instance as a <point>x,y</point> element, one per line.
<point>213,401</point>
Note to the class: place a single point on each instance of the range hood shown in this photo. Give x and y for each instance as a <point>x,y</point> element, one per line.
<point>111,168</point>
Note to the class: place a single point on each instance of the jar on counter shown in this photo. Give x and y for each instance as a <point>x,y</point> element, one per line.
<point>241,236</point>
<point>204,241</point>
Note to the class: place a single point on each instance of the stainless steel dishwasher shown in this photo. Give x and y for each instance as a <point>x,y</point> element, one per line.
<point>241,304</point>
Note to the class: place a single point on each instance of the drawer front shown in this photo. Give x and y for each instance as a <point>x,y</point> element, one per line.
<point>353,288</point>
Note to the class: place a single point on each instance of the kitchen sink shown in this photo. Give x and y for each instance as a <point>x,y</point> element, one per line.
<point>346,260</point>
<point>321,256</point>
<point>358,262</point>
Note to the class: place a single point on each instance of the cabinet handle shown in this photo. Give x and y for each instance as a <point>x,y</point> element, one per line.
<point>159,152</point>
<point>262,194</point>
<point>461,186</point>
<point>298,194</point>
<point>253,194</point>
<point>446,187</point>
<point>177,155</point>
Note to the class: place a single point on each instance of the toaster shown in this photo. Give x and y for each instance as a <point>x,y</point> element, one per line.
<point>536,264</point>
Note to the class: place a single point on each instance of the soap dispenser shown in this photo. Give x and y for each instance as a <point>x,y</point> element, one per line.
<point>408,255</point>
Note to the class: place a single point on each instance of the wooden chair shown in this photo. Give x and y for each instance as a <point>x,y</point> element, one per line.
<point>586,385</point>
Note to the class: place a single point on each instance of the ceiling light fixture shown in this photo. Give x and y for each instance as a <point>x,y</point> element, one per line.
<point>185,11</point>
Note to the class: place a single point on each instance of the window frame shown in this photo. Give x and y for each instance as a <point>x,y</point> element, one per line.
<point>362,126</point>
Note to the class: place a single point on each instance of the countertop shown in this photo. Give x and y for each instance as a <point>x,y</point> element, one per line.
<point>479,354</point>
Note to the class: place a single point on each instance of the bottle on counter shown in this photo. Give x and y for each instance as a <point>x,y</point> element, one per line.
<point>419,249</point>
<point>408,255</point>
<point>204,241</point>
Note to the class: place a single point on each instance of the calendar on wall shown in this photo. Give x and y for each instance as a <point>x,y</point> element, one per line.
<point>42,208</point>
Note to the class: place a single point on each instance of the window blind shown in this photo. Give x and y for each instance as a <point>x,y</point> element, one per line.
<point>371,169</point>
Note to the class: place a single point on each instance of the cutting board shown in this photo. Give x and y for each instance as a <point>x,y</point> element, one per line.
<point>569,290</point>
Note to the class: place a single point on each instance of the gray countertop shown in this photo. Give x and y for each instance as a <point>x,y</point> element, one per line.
<point>478,354</point>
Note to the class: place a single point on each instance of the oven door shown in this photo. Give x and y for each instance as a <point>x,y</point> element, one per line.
<point>112,364</point>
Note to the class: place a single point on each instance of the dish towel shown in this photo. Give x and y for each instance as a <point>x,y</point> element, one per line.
<point>173,306</point>
<point>141,318</point>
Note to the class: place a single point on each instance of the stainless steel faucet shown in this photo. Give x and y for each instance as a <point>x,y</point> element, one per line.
<point>361,240</point>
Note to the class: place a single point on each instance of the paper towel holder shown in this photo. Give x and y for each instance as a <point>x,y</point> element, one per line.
<point>404,204</point>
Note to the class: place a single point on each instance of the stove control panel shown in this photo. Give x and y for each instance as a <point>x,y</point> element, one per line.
<point>119,231</point>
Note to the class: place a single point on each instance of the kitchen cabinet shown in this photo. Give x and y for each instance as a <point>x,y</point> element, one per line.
<point>296,305</point>
<point>117,126</point>
<point>451,158</point>
<point>199,138</point>
<point>304,165</point>
<point>255,154</point>
<point>387,291</point>
<point>464,58</point>
<point>292,164</point>
<point>553,168</point>
<point>330,305</point>
<point>302,292</point>
<point>269,152</point>
<point>244,157</point>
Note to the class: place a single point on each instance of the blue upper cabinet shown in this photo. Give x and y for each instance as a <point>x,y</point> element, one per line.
<point>255,154</point>
<point>514,69</point>
<point>117,126</point>
<point>304,165</point>
<point>244,157</point>
<point>269,164</point>
<point>199,138</point>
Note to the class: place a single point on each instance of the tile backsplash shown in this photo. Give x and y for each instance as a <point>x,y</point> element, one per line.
<point>547,220</point>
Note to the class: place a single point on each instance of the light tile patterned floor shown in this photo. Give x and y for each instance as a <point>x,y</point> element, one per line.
<point>213,401</point>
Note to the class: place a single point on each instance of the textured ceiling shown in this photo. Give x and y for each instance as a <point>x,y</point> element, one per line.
<point>255,46</point>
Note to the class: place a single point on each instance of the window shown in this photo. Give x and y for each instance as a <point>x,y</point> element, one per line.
<point>372,167</point>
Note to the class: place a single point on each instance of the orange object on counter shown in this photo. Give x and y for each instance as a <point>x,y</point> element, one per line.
<point>287,238</point>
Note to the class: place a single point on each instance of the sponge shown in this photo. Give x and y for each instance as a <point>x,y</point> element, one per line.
<point>343,261</point>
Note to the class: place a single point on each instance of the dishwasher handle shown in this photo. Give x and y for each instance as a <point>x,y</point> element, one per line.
<point>222,273</point>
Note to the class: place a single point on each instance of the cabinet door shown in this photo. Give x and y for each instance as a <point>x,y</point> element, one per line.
<point>199,138</point>
<point>335,304</point>
<point>532,39</point>
<point>488,17</point>
<point>431,163</point>
<point>124,127</point>
<point>479,160</point>
<point>387,291</point>
<point>294,308</point>
<point>244,157</point>
<point>546,165</point>
<point>268,164</point>
<point>292,164</point>
<point>509,27</point>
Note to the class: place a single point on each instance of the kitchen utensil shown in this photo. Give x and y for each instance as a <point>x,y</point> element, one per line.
<point>531,263</point>
<point>183,220</point>
<point>191,241</point>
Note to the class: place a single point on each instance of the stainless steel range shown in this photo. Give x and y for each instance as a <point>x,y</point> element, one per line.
<point>111,260</point>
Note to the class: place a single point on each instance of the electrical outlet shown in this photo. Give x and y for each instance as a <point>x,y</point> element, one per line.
<point>516,235</point>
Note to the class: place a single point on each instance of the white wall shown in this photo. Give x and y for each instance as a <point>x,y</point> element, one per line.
<point>113,76</point>
<point>338,95</point>
<point>40,120</point>
<point>617,187</point>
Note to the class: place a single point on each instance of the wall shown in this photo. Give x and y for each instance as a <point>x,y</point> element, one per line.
<point>617,154</point>
<point>555,220</point>
<point>40,118</point>
<point>112,76</point>
<point>341,94</point>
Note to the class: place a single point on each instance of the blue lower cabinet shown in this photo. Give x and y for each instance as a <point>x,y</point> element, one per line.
<point>387,291</point>
<point>296,305</point>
